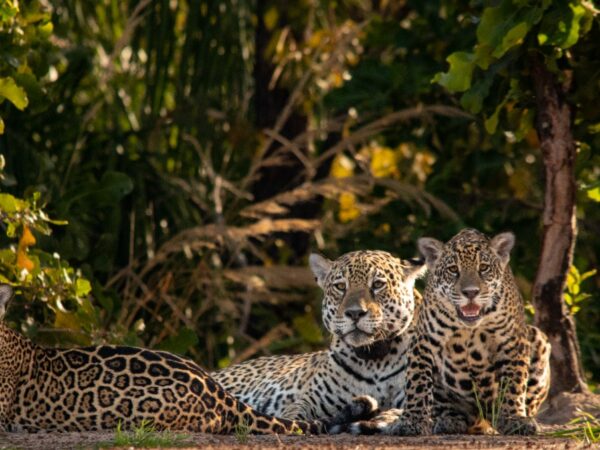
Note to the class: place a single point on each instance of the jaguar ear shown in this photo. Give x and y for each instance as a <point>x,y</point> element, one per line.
<point>6,294</point>
<point>431,249</point>
<point>320,266</point>
<point>414,268</point>
<point>502,244</point>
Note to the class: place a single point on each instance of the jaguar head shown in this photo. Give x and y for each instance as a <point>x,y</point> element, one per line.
<point>368,295</point>
<point>468,271</point>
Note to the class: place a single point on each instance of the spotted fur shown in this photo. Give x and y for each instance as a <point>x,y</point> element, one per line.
<point>471,344</point>
<point>97,388</point>
<point>368,304</point>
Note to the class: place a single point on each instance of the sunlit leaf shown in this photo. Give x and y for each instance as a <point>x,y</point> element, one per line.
<point>10,204</point>
<point>561,26</point>
<point>588,274</point>
<point>13,93</point>
<point>506,25</point>
<point>459,75</point>
<point>514,37</point>
<point>342,167</point>
<point>594,194</point>
<point>82,287</point>
<point>348,209</point>
<point>383,162</point>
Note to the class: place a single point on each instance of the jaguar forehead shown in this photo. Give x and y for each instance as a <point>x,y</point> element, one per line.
<point>360,266</point>
<point>467,254</point>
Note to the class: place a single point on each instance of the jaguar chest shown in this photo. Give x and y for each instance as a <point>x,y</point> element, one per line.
<point>465,360</point>
<point>382,380</point>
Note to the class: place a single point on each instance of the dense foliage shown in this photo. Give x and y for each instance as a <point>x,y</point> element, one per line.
<point>199,150</point>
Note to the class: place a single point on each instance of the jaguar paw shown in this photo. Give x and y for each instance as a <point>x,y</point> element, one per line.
<point>515,425</point>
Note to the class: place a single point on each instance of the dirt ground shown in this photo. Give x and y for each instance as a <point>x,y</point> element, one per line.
<point>343,441</point>
<point>553,417</point>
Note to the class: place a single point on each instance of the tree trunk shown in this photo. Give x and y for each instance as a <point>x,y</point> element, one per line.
<point>553,124</point>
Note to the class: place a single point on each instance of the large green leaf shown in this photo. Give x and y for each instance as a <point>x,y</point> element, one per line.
<point>458,78</point>
<point>13,93</point>
<point>561,26</point>
<point>506,25</point>
<point>472,100</point>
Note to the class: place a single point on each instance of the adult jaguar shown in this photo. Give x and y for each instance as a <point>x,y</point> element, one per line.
<point>368,304</point>
<point>94,388</point>
<point>473,353</point>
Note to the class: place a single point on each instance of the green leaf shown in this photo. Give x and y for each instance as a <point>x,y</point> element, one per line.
<point>513,38</point>
<point>10,204</point>
<point>472,100</point>
<point>113,186</point>
<point>491,124</point>
<point>505,26</point>
<point>1,126</point>
<point>483,57</point>
<point>561,26</point>
<point>588,274</point>
<point>458,78</point>
<point>592,129</point>
<point>524,119</point>
<point>32,86</point>
<point>594,194</point>
<point>82,287</point>
<point>181,342</point>
<point>13,93</point>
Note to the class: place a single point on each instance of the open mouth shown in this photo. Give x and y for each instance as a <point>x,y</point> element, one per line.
<point>469,313</point>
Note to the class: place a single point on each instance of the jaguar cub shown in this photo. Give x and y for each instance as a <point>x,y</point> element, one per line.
<point>95,388</point>
<point>473,352</point>
<point>368,304</point>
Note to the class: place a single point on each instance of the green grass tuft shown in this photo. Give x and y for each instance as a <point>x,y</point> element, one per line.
<point>242,431</point>
<point>496,407</point>
<point>585,429</point>
<point>146,436</point>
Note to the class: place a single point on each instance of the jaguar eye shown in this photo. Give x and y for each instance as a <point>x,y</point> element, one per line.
<point>484,268</point>
<point>340,286</point>
<point>453,270</point>
<point>377,284</point>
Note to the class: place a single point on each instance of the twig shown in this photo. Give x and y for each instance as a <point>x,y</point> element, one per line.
<point>278,332</point>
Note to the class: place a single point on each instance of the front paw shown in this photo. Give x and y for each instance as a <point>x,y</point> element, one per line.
<point>409,425</point>
<point>450,425</point>
<point>515,425</point>
<point>377,425</point>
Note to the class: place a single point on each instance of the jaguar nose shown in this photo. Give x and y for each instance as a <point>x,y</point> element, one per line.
<point>470,292</point>
<point>355,313</point>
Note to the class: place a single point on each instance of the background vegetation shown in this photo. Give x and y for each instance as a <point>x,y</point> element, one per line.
<point>198,150</point>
